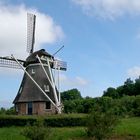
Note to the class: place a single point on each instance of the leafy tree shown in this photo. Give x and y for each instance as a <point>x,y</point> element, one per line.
<point>2,111</point>
<point>111,92</point>
<point>129,87</point>
<point>137,86</point>
<point>69,106</point>
<point>71,95</point>
<point>11,111</point>
<point>127,105</point>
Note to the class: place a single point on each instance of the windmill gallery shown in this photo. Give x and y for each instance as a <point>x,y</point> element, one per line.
<point>38,93</point>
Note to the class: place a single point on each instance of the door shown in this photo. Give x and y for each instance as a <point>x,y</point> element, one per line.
<point>30,108</point>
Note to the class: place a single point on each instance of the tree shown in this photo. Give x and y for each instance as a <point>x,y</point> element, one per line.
<point>2,111</point>
<point>71,95</point>
<point>120,91</point>
<point>128,87</point>
<point>137,86</point>
<point>111,92</point>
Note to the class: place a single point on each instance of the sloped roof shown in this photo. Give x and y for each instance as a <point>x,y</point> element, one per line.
<point>28,91</point>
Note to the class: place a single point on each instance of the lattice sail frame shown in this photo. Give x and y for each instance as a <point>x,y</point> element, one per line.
<point>60,65</point>
<point>31,20</point>
<point>10,63</point>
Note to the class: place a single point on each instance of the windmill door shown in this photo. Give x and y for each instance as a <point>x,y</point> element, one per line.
<point>30,108</point>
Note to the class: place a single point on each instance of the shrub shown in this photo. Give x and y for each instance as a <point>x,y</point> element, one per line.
<point>37,131</point>
<point>100,124</point>
<point>53,121</point>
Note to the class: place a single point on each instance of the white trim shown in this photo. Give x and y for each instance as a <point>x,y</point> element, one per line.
<point>36,64</point>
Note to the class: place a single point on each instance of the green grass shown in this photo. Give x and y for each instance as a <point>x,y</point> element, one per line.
<point>68,133</point>
<point>11,133</point>
<point>127,129</point>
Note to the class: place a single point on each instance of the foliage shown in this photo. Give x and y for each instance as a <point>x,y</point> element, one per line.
<point>11,133</point>
<point>129,88</point>
<point>37,131</point>
<point>71,95</point>
<point>127,128</point>
<point>8,120</point>
<point>66,121</point>
<point>100,124</point>
<point>111,92</point>
<point>125,106</point>
<point>136,106</point>
<point>10,111</point>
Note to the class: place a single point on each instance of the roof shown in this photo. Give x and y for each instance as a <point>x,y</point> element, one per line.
<point>28,91</point>
<point>33,59</point>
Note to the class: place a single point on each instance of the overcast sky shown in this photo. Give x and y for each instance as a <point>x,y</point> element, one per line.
<point>101,39</point>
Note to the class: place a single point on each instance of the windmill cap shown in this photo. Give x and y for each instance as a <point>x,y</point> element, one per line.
<point>33,59</point>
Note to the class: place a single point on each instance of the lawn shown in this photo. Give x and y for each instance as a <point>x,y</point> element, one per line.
<point>127,129</point>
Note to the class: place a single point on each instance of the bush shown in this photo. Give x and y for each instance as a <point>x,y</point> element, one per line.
<point>37,131</point>
<point>6,121</point>
<point>65,121</point>
<point>100,124</point>
<point>54,121</point>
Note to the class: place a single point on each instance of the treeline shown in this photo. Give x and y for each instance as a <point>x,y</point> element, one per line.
<point>124,106</point>
<point>9,111</point>
<point>123,100</point>
<point>130,88</point>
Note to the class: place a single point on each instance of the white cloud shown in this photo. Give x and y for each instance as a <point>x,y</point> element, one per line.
<point>13,24</point>
<point>73,82</point>
<point>134,72</point>
<point>109,9</point>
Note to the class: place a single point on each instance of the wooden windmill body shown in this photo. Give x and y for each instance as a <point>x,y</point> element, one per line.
<point>38,93</point>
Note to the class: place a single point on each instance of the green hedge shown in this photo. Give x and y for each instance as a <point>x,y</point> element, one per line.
<point>57,121</point>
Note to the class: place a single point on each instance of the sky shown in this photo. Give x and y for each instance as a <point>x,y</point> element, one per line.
<point>101,39</point>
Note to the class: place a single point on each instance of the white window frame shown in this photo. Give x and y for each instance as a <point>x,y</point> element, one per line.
<point>33,72</point>
<point>46,88</point>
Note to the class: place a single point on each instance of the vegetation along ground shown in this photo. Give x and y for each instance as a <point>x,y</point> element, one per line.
<point>127,129</point>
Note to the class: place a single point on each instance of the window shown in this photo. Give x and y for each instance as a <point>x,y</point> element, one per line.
<point>46,88</point>
<point>33,71</point>
<point>48,105</point>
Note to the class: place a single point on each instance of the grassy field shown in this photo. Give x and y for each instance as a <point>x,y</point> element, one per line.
<point>127,129</point>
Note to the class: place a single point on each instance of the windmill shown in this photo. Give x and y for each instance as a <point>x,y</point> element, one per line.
<point>38,92</point>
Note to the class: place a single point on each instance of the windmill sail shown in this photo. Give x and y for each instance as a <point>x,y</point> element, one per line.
<point>30,32</point>
<point>60,65</point>
<point>10,63</point>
